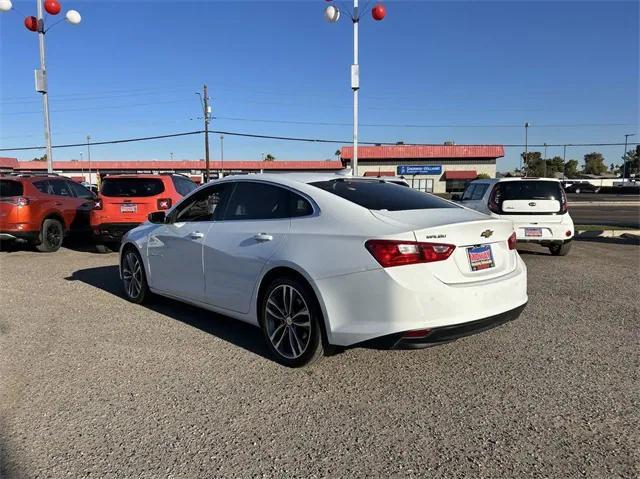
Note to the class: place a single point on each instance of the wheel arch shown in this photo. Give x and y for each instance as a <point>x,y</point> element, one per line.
<point>54,215</point>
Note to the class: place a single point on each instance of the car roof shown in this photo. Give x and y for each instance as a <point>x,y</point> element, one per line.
<point>133,175</point>
<point>301,178</point>
<point>514,178</point>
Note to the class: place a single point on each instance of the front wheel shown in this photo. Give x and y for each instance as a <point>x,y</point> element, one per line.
<point>134,279</point>
<point>290,322</point>
<point>51,236</point>
<point>560,249</point>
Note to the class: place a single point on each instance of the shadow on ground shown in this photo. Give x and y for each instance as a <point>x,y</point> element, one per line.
<point>592,237</point>
<point>228,329</point>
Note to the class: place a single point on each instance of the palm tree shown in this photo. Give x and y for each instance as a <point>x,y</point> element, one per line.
<point>269,157</point>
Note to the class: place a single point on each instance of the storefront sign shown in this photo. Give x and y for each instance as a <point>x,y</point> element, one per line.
<point>419,169</point>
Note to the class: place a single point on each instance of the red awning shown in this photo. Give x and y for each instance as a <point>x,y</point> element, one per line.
<point>460,175</point>
<point>379,173</point>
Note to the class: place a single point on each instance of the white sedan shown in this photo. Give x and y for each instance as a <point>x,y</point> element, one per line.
<point>317,260</point>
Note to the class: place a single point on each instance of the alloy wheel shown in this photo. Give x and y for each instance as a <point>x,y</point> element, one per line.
<point>53,235</point>
<point>132,275</point>
<point>288,321</point>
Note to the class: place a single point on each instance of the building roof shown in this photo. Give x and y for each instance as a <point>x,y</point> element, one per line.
<point>460,175</point>
<point>181,165</point>
<point>423,151</point>
<point>8,162</point>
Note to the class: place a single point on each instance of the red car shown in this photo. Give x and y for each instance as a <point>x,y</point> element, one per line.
<point>40,209</point>
<point>125,201</point>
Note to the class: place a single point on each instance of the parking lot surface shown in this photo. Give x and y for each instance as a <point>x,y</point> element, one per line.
<point>94,386</point>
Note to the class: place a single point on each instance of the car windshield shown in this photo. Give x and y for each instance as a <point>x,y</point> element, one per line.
<point>530,190</point>
<point>128,187</point>
<point>382,195</point>
<point>10,188</point>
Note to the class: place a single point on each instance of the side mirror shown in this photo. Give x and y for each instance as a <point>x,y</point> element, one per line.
<point>157,217</point>
<point>456,197</point>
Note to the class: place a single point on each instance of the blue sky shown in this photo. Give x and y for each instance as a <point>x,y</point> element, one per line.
<point>132,69</point>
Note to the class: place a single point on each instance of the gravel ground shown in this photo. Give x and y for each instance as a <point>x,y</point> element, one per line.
<point>93,386</point>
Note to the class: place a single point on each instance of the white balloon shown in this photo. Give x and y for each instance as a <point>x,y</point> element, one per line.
<point>331,14</point>
<point>73,17</point>
<point>5,5</point>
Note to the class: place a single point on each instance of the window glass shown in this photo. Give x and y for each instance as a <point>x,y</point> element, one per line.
<point>60,188</point>
<point>479,191</point>
<point>298,206</point>
<point>206,205</point>
<point>468,192</point>
<point>43,187</point>
<point>129,187</point>
<point>10,188</point>
<point>381,195</point>
<point>257,201</point>
<point>81,191</point>
<point>183,186</point>
<point>530,190</point>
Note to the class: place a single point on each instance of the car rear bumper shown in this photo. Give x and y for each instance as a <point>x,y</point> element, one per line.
<point>21,236</point>
<point>111,232</point>
<point>551,232</point>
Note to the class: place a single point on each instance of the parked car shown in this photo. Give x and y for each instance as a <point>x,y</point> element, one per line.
<point>581,188</point>
<point>41,209</point>
<point>537,207</point>
<point>316,260</point>
<point>125,201</point>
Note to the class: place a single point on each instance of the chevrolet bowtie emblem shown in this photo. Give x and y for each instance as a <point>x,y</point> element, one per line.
<point>486,233</point>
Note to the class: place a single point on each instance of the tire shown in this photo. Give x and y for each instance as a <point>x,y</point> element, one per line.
<point>558,249</point>
<point>293,337</point>
<point>51,236</point>
<point>134,279</point>
<point>106,248</point>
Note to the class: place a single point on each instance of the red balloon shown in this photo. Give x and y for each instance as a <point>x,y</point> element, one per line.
<point>378,12</point>
<point>31,23</point>
<point>52,7</point>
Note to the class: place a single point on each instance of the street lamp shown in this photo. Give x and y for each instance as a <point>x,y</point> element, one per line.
<point>624,161</point>
<point>332,15</point>
<point>37,24</point>
<point>526,145</point>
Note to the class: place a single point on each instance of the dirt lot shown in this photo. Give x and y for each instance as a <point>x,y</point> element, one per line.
<point>93,386</point>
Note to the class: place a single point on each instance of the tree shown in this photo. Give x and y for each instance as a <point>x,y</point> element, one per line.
<point>40,158</point>
<point>571,169</point>
<point>554,165</point>
<point>338,153</point>
<point>630,165</point>
<point>483,176</point>
<point>594,163</point>
<point>533,163</point>
<point>269,157</point>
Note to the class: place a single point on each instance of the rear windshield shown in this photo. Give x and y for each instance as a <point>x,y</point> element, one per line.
<point>127,187</point>
<point>382,195</point>
<point>10,188</point>
<point>530,190</point>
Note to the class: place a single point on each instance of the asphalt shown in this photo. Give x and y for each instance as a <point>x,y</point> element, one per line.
<point>609,215</point>
<point>94,386</point>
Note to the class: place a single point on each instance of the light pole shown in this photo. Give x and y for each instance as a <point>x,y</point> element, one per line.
<point>332,15</point>
<point>624,161</point>
<point>89,157</point>
<point>37,24</point>
<point>526,145</point>
<point>545,159</point>
<point>564,160</point>
<point>221,156</point>
<point>206,113</point>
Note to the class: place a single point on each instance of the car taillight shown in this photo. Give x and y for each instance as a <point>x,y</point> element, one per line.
<point>164,203</point>
<point>22,201</point>
<point>564,207</point>
<point>97,204</point>
<point>512,241</point>
<point>495,200</point>
<point>397,253</point>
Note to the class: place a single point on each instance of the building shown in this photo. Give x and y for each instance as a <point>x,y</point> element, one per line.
<point>432,168</point>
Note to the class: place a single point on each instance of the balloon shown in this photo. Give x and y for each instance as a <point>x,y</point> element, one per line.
<point>378,12</point>
<point>73,17</point>
<point>52,7</point>
<point>31,23</point>
<point>331,14</point>
<point>5,5</point>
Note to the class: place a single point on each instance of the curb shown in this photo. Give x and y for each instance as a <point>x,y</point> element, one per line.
<point>630,234</point>
<point>575,204</point>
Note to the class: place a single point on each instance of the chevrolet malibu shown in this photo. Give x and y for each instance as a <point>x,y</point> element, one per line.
<point>319,260</point>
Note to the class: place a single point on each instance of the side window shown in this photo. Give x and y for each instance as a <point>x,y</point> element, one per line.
<point>183,185</point>
<point>206,205</point>
<point>479,192</point>
<point>469,192</point>
<point>61,188</point>
<point>81,191</point>
<point>298,206</point>
<point>257,201</point>
<point>43,187</point>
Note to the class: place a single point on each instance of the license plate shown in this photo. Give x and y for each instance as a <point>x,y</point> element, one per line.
<point>128,208</point>
<point>533,232</point>
<point>480,257</point>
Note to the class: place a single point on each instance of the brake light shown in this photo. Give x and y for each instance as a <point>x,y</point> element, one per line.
<point>495,200</point>
<point>22,201</point>
<point>97,204</point>
<point>564,207</point>
<point>397,253</point>
<point>512,241</point>
<point>164,203</point>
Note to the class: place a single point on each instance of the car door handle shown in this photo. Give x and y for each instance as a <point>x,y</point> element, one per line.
<point>196,235</point>
<point>263,237</point>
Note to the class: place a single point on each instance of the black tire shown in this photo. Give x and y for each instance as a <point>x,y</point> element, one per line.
<point>293,338</point>
<point>560,249</point>
<point>106,248</point>
<point>134,279</point>
<point>51,236</point>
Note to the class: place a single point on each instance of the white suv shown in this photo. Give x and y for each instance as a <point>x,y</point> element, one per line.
<point>536,206</point>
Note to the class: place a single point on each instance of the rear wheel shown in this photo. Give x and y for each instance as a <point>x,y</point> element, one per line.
<point>290,322</point>
<point>560,249</point>
<point>134,279</point>
<point>51,236</point>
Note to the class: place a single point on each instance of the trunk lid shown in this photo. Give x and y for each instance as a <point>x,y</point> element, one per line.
<point>482,251</point>
<point>530,206</point>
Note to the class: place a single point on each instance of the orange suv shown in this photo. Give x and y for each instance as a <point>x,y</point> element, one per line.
<point>41,209</point>
<point>125,201</point>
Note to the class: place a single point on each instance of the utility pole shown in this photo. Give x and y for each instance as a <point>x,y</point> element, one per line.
<point>526,145</point>
<point>355,85</point>
<point>89,157</point>
<point>221,156</point>
<point>41,86</point>
<point>82,167</point>
<point>564,160</point>
<point>545,159</point>
<point>206,112</point>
